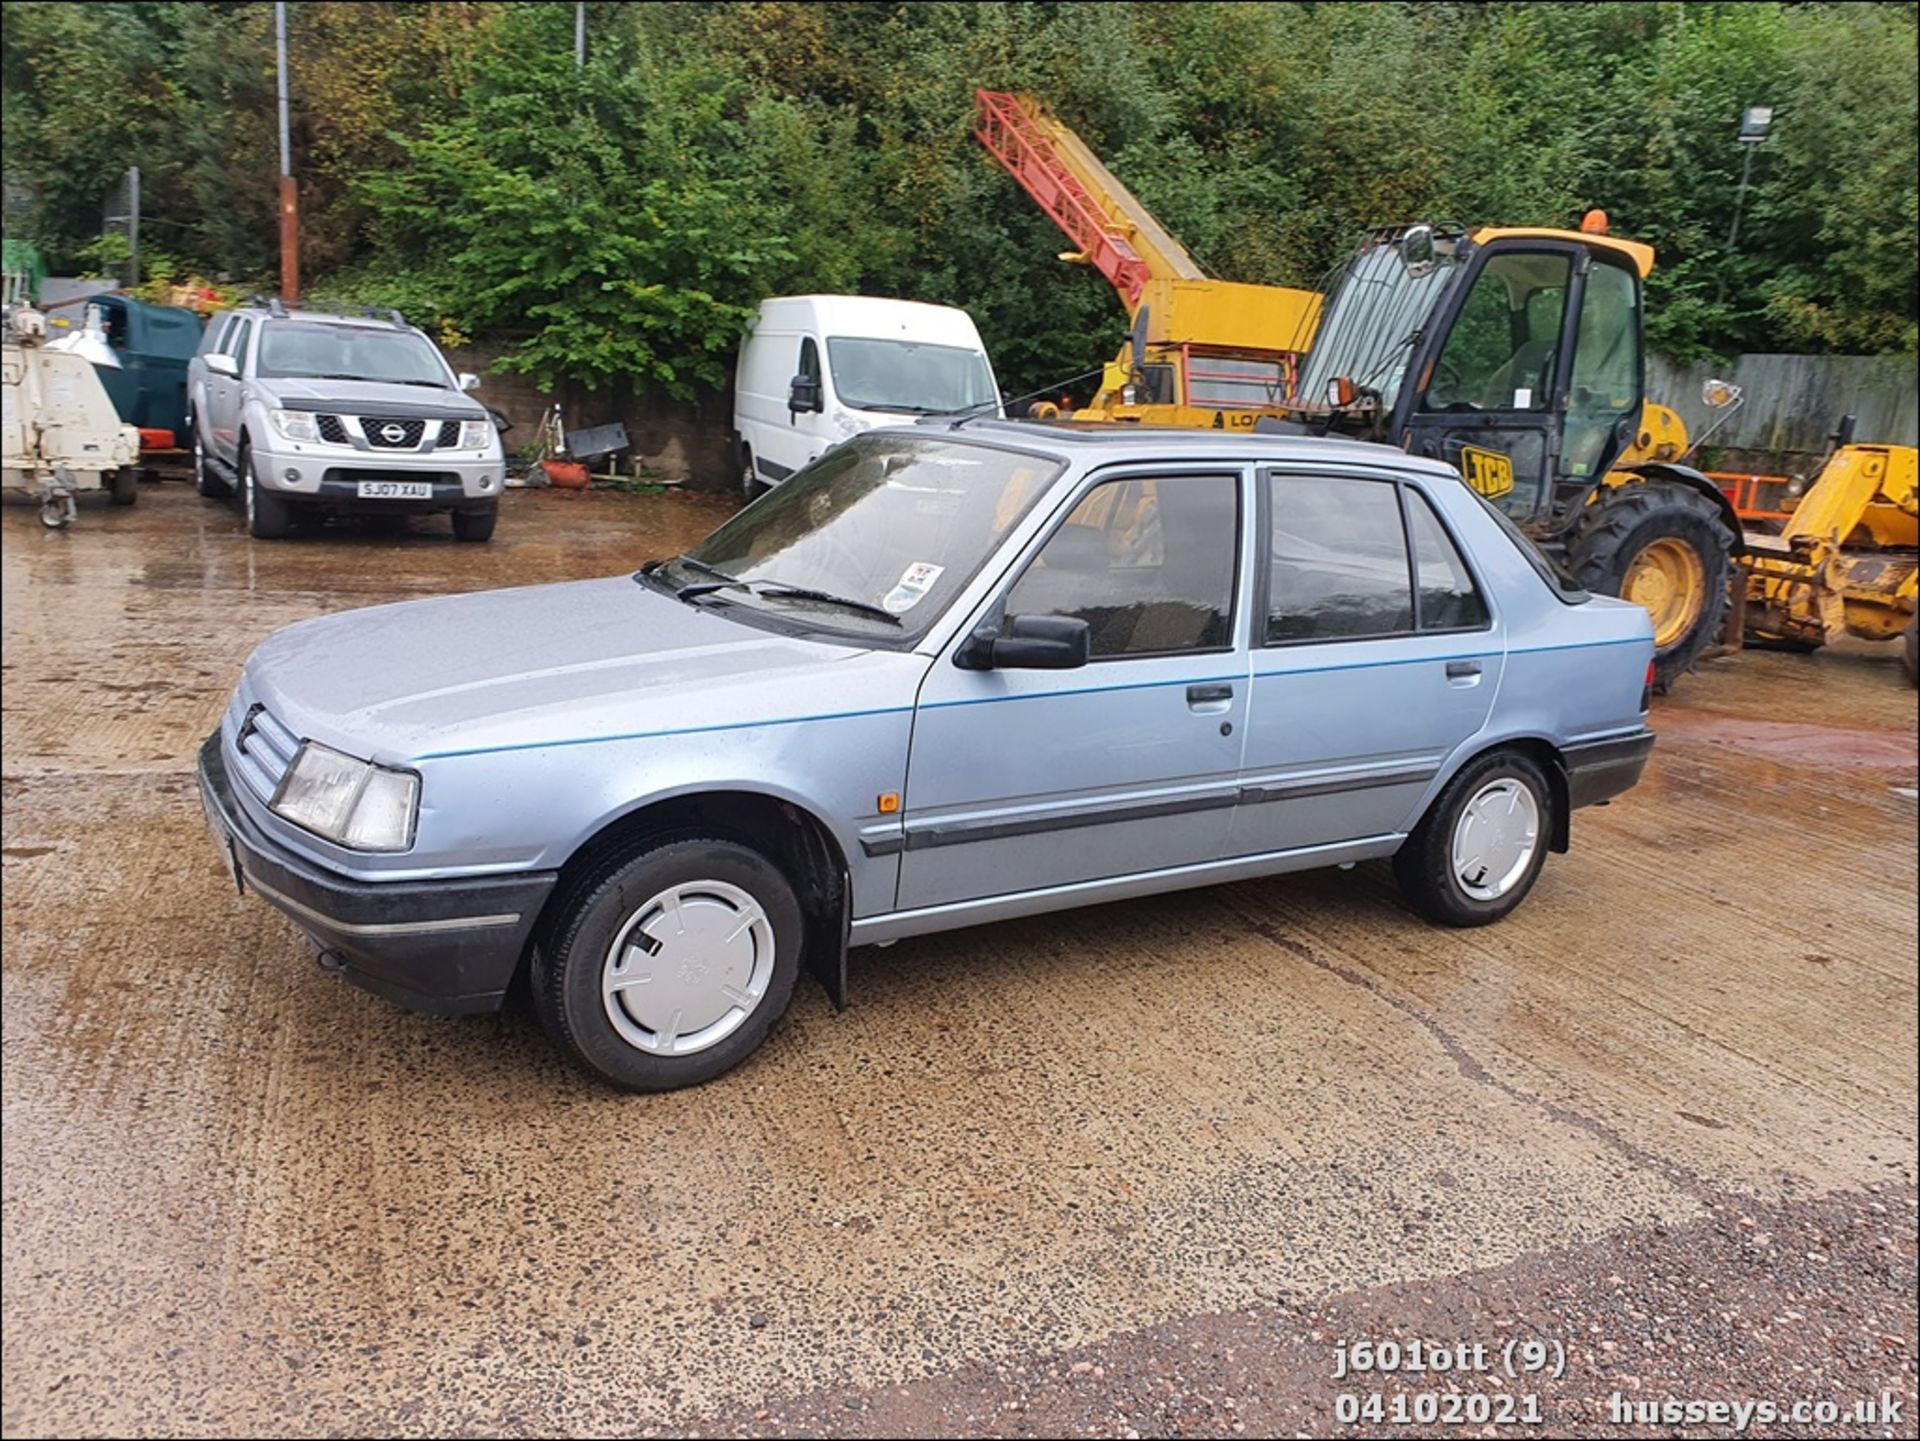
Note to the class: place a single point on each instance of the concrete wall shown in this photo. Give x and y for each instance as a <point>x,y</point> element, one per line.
<point>683,441</point>
<point>1792,404</point>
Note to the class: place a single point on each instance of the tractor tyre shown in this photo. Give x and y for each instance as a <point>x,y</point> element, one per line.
<point>1664,546</point>
<point>1910,651</point>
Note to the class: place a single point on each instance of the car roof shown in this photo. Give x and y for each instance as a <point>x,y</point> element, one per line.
<point>323,317</point>
<point>1096,443</point>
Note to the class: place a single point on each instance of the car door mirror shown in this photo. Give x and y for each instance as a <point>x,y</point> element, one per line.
<point>1027,642</point>
<point>469,381</point>
<point>803,396</point>
<point>223,365</point>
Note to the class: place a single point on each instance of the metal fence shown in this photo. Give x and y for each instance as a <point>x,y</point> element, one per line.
<point>1793,402</point>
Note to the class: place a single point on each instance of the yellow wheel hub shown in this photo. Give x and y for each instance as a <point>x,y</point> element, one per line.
<point>1670,580</point>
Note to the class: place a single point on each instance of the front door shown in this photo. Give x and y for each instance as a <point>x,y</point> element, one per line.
<point>1489,395</point>
<point>1021,780</point>
<point>1378,657</point>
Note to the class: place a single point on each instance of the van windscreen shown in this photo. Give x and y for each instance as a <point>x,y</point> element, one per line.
<point>908,377</point>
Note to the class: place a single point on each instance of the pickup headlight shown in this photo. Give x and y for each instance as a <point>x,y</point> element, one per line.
<point>294,424</point>
<point>353,803</point>
<point>474,434</point>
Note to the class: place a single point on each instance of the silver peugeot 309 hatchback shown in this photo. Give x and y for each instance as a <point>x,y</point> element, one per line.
<point>949,673</point>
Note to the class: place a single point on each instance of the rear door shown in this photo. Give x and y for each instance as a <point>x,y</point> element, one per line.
<point>1020,780</point>
<point>1377,654</point>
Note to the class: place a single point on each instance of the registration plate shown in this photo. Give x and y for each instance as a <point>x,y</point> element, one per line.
<point>229,857</point>
<point>396,490</point>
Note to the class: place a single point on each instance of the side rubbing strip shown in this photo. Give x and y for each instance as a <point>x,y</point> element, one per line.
<point>955,833</point>
<point>1301,790</point>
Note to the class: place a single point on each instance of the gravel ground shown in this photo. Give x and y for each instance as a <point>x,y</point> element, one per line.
<point>1810,1299</point>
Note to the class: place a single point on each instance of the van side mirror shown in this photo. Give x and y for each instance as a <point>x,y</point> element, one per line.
<point>1027,642</point>
<point>223,365</point>
<point>804,395</point>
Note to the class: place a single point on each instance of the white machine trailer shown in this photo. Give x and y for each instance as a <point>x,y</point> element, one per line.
<point>63,435</point>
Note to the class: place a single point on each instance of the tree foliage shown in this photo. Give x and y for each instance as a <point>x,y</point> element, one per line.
<point>617,223</point>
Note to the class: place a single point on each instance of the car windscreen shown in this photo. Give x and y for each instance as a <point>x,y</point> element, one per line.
<point>885,530</point>
<point>908,376</point>
<point>296,351</point>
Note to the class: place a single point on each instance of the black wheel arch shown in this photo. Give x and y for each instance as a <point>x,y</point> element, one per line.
<point>1686,475</point>
<point>792,837</point>
<point>1543,753</point>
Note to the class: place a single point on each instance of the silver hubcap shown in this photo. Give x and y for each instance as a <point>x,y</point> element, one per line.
<point>249,489</point>
<point>688,968</point>
<point>1495,838</point>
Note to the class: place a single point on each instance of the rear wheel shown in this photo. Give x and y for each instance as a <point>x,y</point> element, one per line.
<point>475,525</point>
<point>1480,846</point>
<point>668,965</point>
<point>1664,547</point>
<point>1910,650</point>
<point>268,516</point>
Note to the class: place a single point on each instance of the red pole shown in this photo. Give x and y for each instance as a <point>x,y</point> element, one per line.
<point>289,241</point>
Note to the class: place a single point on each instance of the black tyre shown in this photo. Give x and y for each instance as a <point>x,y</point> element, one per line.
<point>475,525</point>
<point>751,486</point>
<point>204,480</point>
<point>1480,846</point>
<point>667,965</point>
<point>1910,651</point>
<point>125,486</point>
<point>268,516</point>
<point>1666,546</point>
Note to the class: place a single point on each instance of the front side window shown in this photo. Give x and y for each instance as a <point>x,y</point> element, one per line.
<point>883,530</point>
<point>1501,351</point>
<point>1149,565</point>
<point>1449,600</point>
<point>1337,558</point>
<point>809,360</point>
<point>237,344</point>
<point>908,377</point>
<point>292,349</point>
<point>1606,367</point>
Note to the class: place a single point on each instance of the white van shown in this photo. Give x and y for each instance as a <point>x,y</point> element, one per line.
<point>817,369</point>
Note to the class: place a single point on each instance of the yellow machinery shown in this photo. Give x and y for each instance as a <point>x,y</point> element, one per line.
<point>1845,561</point>
<point>1203,352</point>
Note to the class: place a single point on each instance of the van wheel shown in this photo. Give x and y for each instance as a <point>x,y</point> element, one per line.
<point>475,525</point>
<point>204,480</point>
<point>268,516</point>
<point>751,486</point>
<point>1480,846</point>
<point>669,964</point>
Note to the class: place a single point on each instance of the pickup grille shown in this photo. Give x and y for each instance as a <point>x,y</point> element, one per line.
<point>392,432</point>
<point>332,431</point>
<point>449,434</point>
<point>263,749</point>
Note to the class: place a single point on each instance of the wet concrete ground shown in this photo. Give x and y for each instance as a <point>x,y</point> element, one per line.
<point>240,1196</point>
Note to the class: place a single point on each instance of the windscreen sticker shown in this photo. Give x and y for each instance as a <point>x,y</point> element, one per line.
<point>915,582</point>
<point>1523,398</point>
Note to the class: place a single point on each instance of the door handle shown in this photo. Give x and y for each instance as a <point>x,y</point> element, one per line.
<point>1459,669</point>
<point>1200,694</point>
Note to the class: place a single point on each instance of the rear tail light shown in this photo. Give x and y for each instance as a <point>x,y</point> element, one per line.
<point>1646,691</point>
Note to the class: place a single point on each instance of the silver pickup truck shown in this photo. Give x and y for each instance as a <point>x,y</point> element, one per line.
<point>302,414</point>
<point>946,674</point>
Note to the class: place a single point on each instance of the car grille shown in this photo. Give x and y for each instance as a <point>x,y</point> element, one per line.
<point>391,432</point>
<point>263,749</point>
<point>332,431</point>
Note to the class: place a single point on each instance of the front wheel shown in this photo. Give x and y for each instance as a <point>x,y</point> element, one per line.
<point>1910,650</point>
<point>669,964</point>
<point>1665,547</point>
<point>268,516</point>
<point>751,486</point>
<point>475,525</point>
<point>1480,846</point>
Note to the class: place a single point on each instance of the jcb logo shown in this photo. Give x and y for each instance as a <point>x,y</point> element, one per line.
<point>1487,471</point>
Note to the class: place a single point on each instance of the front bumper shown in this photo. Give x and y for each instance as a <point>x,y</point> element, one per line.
<point>329,476</point>
<point>445,947</point>
<point>1597,771</point>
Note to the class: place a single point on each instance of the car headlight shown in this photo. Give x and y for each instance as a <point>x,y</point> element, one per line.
<point>353,803</point>
<point>294,424</point>
<point>474,434</point>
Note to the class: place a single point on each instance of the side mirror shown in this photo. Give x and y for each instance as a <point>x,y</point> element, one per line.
<point>224,365</point>
<point>803,395</point>
<point>1027,642</point>
<point>1416,251</point>
<point>469,381</point>
<point>1718,393</point>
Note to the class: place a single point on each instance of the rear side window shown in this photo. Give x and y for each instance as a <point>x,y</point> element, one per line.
<point>1449,600</point>
<point>1337,557</point>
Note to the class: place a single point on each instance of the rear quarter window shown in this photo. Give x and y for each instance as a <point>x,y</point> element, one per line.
<point>1558,578</point>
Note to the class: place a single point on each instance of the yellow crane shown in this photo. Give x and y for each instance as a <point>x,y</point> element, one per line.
<point>1201,352</point>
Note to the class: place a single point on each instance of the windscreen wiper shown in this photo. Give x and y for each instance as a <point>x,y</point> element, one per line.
<point>775,590</point>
